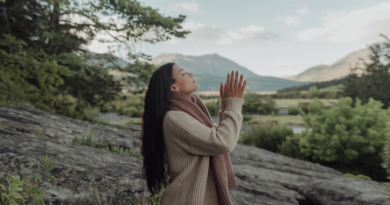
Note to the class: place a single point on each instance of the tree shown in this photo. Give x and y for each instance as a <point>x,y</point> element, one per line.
<point>61,29</point>
<point>349,139</point>
<point>375,80</point>
<point>313,91</point>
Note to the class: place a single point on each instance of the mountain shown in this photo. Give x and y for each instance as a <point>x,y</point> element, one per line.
<point>212,64</point>
<point>253,84</point>
<point>309,74</point>
<point>340,68</point>
<point>209,70</point>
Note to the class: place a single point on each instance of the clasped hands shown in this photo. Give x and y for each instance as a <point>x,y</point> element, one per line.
<point>232,88</point>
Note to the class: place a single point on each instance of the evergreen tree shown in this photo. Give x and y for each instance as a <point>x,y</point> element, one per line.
<point>375,80</point>
<point>60,30</point>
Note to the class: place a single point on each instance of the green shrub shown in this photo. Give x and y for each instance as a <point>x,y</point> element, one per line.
<point>290,147</point>
<point>256,103</point>
<point>213,107</point>
<point>26,191</point>
<point>260,110</point>
<point>304,107</point>
<point>293,111</point>
<point>267,137</point>
<point>246,118</point>
<point>131,112</point>
<point>347,138</point>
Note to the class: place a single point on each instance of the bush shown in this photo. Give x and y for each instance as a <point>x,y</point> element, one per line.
<point>267,137</point>
<point>294,111</point>
<point>131,112</point>
<point>213,107</point>
<point>246,118</point>
<point>256,103</point>
<point>290,147</point>
<point>304,107</point>
<point>346,138</point>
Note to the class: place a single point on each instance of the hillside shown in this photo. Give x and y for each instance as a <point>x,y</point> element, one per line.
<point>340,68</point>
<point>210,70</point>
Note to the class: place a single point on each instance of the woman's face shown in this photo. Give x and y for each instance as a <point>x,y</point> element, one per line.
<point>185,83</point>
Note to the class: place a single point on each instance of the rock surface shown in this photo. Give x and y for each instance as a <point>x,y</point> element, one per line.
<point>263,177</point>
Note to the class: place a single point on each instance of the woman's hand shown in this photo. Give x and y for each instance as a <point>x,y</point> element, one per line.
<point>232,87</point>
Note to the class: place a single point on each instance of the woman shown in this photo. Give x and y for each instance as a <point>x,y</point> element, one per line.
<point>183,150</point>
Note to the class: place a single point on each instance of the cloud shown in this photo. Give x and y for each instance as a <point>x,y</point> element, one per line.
<point>296,19</point>
<point>283,65</point>
<point>247,33</point>
<point>292,21</point>
<point>302,10</point>
<point>354,26</point>
<point>223,36</point>
<point>191,7</point>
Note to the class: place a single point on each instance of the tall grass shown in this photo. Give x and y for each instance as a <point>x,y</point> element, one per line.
<point>89,140</point>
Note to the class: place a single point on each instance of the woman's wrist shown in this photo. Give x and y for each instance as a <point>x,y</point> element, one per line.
<point>223,105</point>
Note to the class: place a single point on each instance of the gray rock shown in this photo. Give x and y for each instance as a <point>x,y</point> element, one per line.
<point>263,177</point>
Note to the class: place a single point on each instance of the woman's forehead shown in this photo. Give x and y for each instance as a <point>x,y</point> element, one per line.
<point>177,69</point>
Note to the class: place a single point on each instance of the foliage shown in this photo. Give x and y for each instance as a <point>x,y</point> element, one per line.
<point>27,74</point>
<point>213,107</point>
<point>54,35</point>
<point>294,111</point>
<point>347,138</point>
<point>267,137</point>
<point>246,118</point>
<point>312,91</point>
<point>291,148</point>
<point>304,106</point>
<point>89,140</point>
<point>256,103</point>
<point>319,85</point>
<point>375,80</point>
<point>26,191</point>
<point>358,176</point>
<point>94,198</point>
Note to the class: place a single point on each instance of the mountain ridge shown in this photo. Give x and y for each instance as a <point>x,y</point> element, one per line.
<point>337,70</point>
<point>211,69</point>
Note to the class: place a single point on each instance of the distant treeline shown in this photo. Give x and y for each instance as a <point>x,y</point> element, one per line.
<point>319,85</point>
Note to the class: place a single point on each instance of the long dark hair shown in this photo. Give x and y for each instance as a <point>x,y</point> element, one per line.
<point>157,98</point>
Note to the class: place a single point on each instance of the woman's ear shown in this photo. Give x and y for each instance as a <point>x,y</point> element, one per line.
<point>173,88</point>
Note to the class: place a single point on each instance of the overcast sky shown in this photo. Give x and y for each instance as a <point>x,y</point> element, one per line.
<point>272,38</point>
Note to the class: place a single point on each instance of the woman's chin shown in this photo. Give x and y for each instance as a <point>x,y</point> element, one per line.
<point>197,86</point>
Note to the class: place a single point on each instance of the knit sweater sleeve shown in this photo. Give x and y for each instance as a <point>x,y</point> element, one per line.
<point>220,113</point>
<point>199,139</point>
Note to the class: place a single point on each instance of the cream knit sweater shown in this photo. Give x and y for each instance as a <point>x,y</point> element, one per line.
<point>189,145</point>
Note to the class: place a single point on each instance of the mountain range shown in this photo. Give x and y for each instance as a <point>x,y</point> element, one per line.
<point>209,70</point>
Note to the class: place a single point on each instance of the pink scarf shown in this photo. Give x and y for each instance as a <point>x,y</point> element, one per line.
<point>220,165</point>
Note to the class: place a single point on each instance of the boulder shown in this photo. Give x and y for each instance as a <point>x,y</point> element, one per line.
<point>263,177</point>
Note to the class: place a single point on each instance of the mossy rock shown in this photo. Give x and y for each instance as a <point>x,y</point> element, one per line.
<point>358,176</point>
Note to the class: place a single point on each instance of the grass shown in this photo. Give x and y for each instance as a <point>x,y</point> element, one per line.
<point>280,119</point>
<point>89,140</point>
<point>290,102</point>
<point>133,121</point>
<point>294,102</point>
